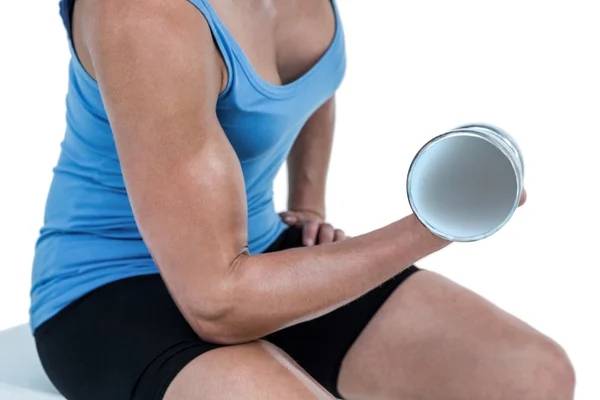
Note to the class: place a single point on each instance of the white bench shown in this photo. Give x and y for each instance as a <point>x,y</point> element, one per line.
<point>21,374</point>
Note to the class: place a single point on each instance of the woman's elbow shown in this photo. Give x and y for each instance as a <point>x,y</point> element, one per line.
<point>212,331</point>
<point>216,311</point>
<point>214,320</point>
<point>221,331</point>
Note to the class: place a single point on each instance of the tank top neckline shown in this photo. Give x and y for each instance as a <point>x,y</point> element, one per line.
<point>267,88</point>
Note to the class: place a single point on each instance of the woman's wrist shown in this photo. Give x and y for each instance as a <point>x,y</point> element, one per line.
<point>307,201</point>
<point>423,232</point>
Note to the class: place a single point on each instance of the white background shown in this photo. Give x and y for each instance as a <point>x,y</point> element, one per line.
<point>416,69</point>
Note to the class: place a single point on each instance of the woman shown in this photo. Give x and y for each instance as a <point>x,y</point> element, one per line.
<point>163,271</point>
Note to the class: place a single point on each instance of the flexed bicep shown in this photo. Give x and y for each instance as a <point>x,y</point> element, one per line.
<point>159,74</point>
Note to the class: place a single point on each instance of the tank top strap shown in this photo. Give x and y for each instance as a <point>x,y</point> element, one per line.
<point>221,37</point>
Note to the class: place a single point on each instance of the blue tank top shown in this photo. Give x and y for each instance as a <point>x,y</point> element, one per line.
<point>90,237</point>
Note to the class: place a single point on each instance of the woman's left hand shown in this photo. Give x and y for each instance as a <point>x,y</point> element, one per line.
<point>314,228</point>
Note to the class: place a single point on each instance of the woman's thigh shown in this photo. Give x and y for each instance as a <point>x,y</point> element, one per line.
<point>253,371</point>
<point>434,339</point>
<point>128,341</point>
<point>125,340</point>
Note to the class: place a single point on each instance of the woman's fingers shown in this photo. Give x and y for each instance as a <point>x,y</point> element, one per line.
<point>523,198</point>
<point>313,231</point>
<point>289,218</point>
<point>339,235</point>
<point>326,233</point>
<point>309,233</point>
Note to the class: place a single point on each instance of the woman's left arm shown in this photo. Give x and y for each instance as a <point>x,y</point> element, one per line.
<point>308,163</point>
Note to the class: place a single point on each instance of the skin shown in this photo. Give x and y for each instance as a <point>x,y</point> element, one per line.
<point>219,374</point>
<point>187,192</point>
<point>308,163</point>
<point>434,339</point>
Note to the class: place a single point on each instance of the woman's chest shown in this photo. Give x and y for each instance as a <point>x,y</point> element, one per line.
<point>281,39</point>
<point>287,61</point>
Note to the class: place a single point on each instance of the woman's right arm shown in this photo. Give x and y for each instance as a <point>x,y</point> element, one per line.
<point>160,75</point>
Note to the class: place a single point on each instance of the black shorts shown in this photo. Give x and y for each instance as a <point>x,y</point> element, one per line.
<point>127,340</point>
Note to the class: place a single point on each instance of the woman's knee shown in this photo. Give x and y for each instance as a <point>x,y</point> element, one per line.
<point>560,373</point>
<point>256,370</point>
<point>544,373</point>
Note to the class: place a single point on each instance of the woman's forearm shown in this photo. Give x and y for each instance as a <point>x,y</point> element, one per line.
<point>270,291</point>
<point>308,161</point>
<point>187,191</point>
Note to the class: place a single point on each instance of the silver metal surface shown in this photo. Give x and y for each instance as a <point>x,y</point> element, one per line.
<point>492,134</point>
